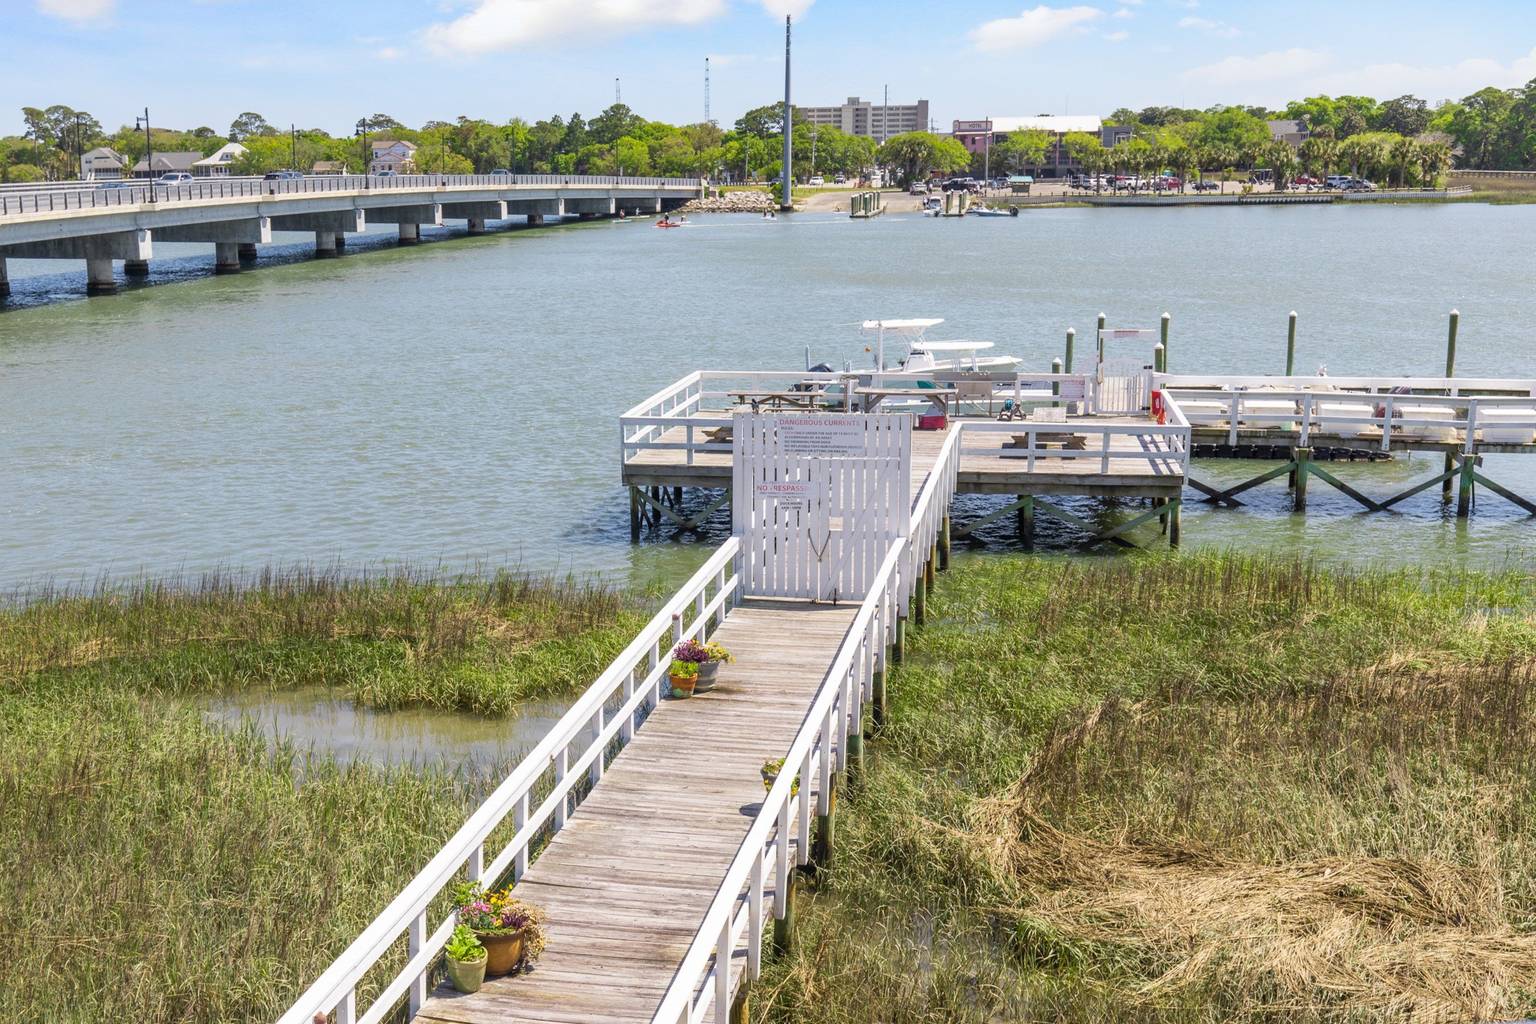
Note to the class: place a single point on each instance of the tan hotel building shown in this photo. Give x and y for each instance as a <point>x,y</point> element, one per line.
<point>871,120</point>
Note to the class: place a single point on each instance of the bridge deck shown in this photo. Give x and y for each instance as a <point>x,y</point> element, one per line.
<point>629,878</point>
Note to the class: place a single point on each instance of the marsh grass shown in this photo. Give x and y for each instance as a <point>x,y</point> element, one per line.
<point>155,867</point>
<point>1210,788</point>
<point>389,641</point>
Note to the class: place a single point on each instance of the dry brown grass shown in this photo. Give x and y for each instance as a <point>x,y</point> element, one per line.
<point>1438,932</point>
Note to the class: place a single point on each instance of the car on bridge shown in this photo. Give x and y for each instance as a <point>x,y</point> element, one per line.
<point>174,178</point>
<point>384,174</point>
<point>501,172</point>
<point>282,176</point>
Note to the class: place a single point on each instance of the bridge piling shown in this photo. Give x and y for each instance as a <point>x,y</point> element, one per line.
<point>135,268</point>
<point>410,234</point>
<point>325,244</point>
<point>247,251</point>
<point>5,281</point>
<point>99,279</point>
<point>226,257</point>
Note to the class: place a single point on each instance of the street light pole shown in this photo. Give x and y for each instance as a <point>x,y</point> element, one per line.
<point>786,174</point>
<point>149,146</point>
<point>362,149</point>
<point>293,145</point>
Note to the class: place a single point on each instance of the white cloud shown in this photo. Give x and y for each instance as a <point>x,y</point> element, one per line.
<point>794,8</point>
<point>1118,37</point>
<point>506,24</point>
<point>77,10</point>
<point>1125,12</point>
<point>1431,82</point>
<point>1217,28</point>
<point>1032,27</point>
<point>1264,67</point>
<point>387,53</point>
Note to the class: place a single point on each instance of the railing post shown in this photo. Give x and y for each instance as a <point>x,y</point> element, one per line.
<point>783,904</point>
<point>755,919</point>
<point>723,948</point>
<point>346,1010</point>
<point>595,773</point>
<point>562,762</point>
<point>519,819</point>
<point>415,940</point>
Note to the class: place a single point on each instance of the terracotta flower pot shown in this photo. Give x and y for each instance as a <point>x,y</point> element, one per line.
<point>467,975</point>
<point>683,686</point>
<point>708,672</point>
<point>503,951</point>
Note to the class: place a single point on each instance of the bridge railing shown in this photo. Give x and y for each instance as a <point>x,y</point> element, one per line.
<point>1370,416</point>
<point>128,192</point>
<point>537,797</point>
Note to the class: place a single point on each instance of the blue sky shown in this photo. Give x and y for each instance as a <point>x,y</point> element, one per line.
<point>324,63</point>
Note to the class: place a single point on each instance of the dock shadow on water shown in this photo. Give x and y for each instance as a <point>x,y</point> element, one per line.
<point>329,724</point>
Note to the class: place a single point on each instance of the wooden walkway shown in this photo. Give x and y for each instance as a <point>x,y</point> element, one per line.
<point>628,880</point>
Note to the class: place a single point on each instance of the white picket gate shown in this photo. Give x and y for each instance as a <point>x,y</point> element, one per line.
<point>818,500</point>
<point>1124,383</point>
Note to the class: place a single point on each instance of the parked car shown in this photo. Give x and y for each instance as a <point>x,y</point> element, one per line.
<point>1337,180</point>
<point>174,178</point>
<point>385,174</point>
<point>501,172</point>
<point>282,176</point>
<point>817,181</point>
<point>919,188</point>
<point>1169,183</point>
<point>1359,185</point>
<point>1207,186</point>
<point>1303,179</point>
<point>841,179</point>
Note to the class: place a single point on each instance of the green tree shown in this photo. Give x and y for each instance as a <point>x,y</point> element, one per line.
<point>1022,150</point>
<point>1087,150</point>
<point>917,154</point>
<point>23,173</point>
<point>762,122</point>
<point>632,156</point>
<point>1405,115</point>
<point>615,123</point>
<point>1320,152</point>
<point>1234,129</point>
<point>249,124</point>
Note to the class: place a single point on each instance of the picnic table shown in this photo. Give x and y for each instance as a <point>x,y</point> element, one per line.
<point>777,399</point>
<point>873,396</point>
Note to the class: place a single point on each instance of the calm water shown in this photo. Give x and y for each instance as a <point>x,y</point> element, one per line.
<point>455,403</point>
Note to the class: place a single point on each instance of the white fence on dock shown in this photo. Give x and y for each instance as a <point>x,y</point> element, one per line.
<point>537,796</point>
<point>819,526</point>
<point>1472,412</point>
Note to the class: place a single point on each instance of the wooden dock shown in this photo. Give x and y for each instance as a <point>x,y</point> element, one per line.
<point>629,878</point>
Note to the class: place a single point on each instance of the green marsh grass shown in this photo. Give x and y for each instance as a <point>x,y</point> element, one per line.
<point>157,868</point>
<point>1205,788</point>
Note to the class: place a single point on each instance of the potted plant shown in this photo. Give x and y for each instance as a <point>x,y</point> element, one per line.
<point>510,930</point>
<point>684,676</point>
<point>707,657</point>
<point>771,769</point>
<point>466,960</point>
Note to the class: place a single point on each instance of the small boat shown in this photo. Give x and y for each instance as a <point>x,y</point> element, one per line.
<point>664,223</point>
<point>923,354</point>
<point>992,211</point>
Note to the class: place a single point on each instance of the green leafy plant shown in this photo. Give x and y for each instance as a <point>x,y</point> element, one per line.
<point>464,947</point>
<point>771,770</point>
<point>718,652</point>
<point>499,913</point>
<point>680,669</point>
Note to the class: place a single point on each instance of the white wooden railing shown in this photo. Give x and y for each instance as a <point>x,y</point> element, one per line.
<point>1474,412</point>
<point>538,796</point>
<point>700,401</point>
<point>736,916</point>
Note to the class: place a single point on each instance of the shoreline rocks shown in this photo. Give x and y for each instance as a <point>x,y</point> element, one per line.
<point>732,202</point>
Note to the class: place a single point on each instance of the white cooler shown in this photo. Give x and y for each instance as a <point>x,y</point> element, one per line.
<point>1499,425</point>
<point>1424,412</point>
<point>1271,412</point>
<point>1202,412</point>
<point>1326,424</point>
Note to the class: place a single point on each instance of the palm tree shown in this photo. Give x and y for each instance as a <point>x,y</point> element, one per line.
<point>1282,160</point>
<point>1434,159</point>
<point>1405,154</point>
<point>1321,152</point>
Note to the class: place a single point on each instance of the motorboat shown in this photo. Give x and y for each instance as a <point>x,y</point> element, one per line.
<point>992,211</point>
<point>923,354</point>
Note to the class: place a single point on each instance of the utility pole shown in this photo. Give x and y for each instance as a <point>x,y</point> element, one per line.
<point>362,148</point>
<point>707,118</point>
<point>293,146</point>
<point>786,175</point>
<point>149,150</point>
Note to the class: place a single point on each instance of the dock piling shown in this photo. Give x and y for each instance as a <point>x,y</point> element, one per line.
<point>1290,346</point>
<point>1464,495</point>
<point>1167,319</point>
<point>1027,521</point>
<point>944,543</point>
<point>1450,371</point>
<point>1303,458</point>
<point>1071,340</point>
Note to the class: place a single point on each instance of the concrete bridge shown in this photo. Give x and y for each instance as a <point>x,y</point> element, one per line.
<point>101,224</point>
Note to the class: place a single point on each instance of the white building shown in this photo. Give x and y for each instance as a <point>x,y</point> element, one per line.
<point>217,163</point>
<point>102,164</point>
<point>871,120</point>
<point>392,155</point>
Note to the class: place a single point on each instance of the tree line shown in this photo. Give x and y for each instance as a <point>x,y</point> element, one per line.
<point>1405,140</point>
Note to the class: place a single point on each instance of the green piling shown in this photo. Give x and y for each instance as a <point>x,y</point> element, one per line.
<point>1290,346</point>
<point>944,543</point>
<point>1100,336</point>
<point>1056,368</point>
<point>1071,340</point>
<point>1303,460</point>
<point>1464,497</point>
<point>1159,357</point>
<point>1450,371</point>
<point>1167,319</point>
